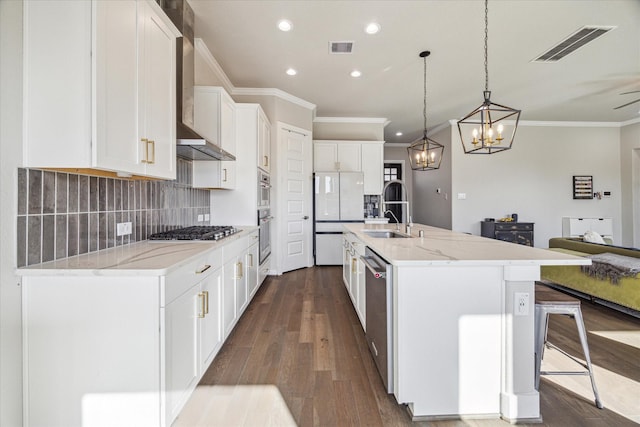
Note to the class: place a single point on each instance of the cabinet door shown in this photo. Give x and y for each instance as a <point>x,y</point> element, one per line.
<point>228,124</point>
<point>157,98</point>
<point>242,291</point>
<point>264,143</point>
<point>115,145</point>
<point>325,156</point>
<point>210,330</point>
<point>208,174</point>
<point>373,167</point>
<point>252,270</point>
<point>349,157</point>
<point>346,261</point>
<point>181,335</point>
<point>361,306</point>
<point>229,296</point>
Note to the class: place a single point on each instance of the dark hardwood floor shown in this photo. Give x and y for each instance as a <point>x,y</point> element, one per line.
<point>302,334</point>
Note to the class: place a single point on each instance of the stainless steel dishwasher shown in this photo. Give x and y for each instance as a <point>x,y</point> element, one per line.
<point>379,332</point>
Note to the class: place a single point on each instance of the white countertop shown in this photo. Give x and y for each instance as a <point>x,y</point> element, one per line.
<point>148,258</point>
<point>446,247</point>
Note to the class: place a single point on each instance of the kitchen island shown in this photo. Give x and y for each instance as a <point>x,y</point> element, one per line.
<point>462,322</point>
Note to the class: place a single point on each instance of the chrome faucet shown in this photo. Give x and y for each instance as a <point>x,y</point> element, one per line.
<point>399,202</point>
<point>394,217</point>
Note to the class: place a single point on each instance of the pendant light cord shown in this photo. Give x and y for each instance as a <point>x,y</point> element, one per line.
<point>424,106</point>
<point>486,42</point>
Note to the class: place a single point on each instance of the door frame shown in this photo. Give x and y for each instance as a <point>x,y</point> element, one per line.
<point>278,202</point>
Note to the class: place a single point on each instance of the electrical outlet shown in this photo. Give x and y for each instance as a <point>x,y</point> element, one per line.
<point>462,196</point>
<point>123,229</point>
<point>200,217</point>
<point>206,217</point>
<point>521,304</point>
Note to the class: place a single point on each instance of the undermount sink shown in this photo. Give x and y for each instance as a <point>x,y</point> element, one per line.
<point>385,234</point>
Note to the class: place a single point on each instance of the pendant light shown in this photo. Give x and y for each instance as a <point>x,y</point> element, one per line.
<point>425,153</point>
<point>484,130</point>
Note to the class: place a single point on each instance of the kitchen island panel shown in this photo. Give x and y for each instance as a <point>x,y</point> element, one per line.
<point>448,329</point>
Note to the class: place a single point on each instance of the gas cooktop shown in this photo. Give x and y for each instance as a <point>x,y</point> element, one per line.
<point>196,232</point>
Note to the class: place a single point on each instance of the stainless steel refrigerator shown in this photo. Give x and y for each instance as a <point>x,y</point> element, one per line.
<point>338,198</point>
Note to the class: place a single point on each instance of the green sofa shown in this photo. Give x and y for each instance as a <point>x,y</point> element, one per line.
<point>626,293</point>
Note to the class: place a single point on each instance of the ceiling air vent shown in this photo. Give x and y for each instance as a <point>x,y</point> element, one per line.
<point>575,41</point>
<point>340,47</point>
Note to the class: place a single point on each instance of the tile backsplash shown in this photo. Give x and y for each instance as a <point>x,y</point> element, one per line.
<point>63,214</point>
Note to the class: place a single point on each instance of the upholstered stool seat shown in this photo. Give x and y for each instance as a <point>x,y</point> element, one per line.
<point>549,301</point>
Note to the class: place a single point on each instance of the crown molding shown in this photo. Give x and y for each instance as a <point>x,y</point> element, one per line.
<point>630,122</point>
<point>218,71</point>
<point>249,91</point>
<point>367,120</point>
<point>563,124</point>
<point>211,62</point>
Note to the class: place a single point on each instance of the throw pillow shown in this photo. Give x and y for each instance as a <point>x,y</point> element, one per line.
<point>593,237</point>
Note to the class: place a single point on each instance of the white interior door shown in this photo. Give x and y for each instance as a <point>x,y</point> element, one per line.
<point>295,223</point>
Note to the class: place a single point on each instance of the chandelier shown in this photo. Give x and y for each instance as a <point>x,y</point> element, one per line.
<point>484,130</point>
<point>425,154</point>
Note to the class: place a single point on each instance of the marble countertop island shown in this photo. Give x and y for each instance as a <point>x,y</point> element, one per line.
<point>442,247</point>
<point>462,321</point>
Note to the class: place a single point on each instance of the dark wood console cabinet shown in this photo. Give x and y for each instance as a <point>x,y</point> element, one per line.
<point>515,232</point>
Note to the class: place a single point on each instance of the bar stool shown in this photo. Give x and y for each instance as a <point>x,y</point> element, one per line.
<point>549,302</point>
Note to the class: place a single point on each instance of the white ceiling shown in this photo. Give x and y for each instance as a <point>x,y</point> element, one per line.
<point>584,86</point>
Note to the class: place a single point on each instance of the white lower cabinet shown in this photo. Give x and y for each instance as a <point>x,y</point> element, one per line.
<point>353,274</point>
<point>129,348</point>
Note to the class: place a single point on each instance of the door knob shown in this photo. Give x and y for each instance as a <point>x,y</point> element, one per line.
<point>305,217</point>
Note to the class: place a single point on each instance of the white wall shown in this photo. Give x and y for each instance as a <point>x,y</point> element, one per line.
<point>534,178</point>
<point>630,175</point>
<point>431,207</point>
<point>10,159</point>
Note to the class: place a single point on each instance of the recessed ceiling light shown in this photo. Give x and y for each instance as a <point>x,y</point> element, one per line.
<point>372,28</point>
<point>285,25</point>
<point>356,73</point>
<point>291,72</point>
<point>398,133</point>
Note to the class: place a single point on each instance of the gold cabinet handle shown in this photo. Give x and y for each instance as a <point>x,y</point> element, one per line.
<point>239,273</point>
<point>153,151</point>
<point>224,175</point>
<point>353,265</point>
<point>266,161</point>
<point>250,262</point>
<point>147,143</point>
<point>202,312</point>
<point>203,269</point>
<point>206,302</point>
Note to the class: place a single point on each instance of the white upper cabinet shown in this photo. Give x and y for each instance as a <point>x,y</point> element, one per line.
<point>99,86</point>
<point>215,119</point>
<point>264,142</point>
<point>214,174</point>
<point>332,156</point>
<point>215,116</point>
<point>373,166</point>
<point>352,156</point>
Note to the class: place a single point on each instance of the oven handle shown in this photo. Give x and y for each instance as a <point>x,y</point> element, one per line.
<point>374,267</point>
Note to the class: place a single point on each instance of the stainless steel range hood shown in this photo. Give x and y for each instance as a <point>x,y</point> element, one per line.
<point>190,145</point>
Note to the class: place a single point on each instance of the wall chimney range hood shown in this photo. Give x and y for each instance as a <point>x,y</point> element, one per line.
<point>190,145</point>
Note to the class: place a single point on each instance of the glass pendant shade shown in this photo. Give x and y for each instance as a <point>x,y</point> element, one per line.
<point>425,154</point>
<point>488,129</point>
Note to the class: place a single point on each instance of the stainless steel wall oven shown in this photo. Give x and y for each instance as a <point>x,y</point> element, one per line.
<point>264,221</point>
<point>264,189</point>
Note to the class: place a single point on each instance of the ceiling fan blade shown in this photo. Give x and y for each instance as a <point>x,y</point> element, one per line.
<point>627,93</point>
<point>628,103</point>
